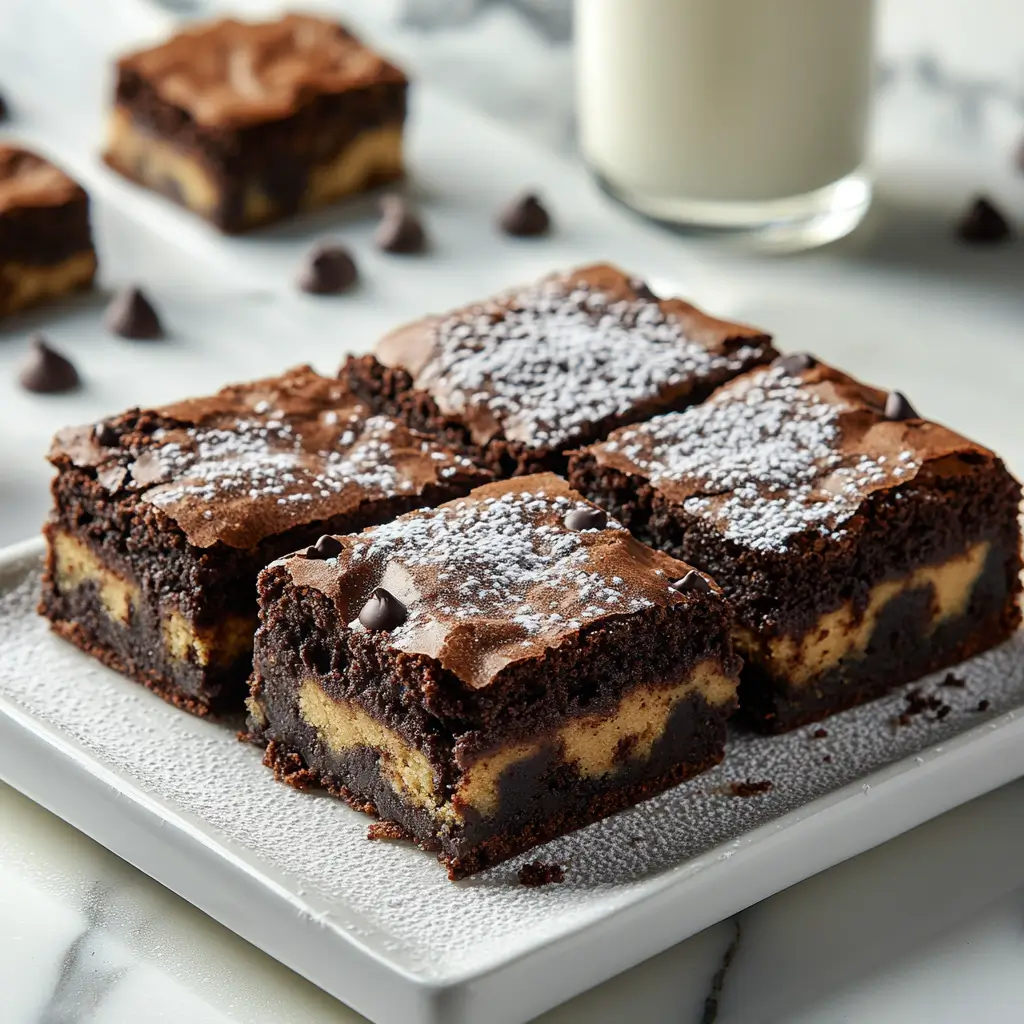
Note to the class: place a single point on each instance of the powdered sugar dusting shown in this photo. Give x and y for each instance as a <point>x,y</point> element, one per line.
<point>507,558</point>
<point>564,357</point>
<point>765,458</point>
<point>396,899</point>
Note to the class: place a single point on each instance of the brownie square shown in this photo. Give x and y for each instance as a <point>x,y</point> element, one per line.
<point>860,545</point>
<point>163,518</point>
<point>519,380</point>
<point>245,123</point>
<point>46,245</point>
<point>492,673</point>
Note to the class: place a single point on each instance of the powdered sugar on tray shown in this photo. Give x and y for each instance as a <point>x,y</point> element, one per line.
<point>396,898</point>
<point>766,458</point>
<point>563,357</point>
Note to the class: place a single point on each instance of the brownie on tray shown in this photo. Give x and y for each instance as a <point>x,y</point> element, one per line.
<point>245,123</point>
<point>491,673</point>
<point>520,379</point>
<point>859,545</point>
<point>46,245</point>
<point>163,518</point>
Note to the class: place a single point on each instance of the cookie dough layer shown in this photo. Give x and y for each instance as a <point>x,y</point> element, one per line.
<point>372,157</point>
<point>847,633</point>
<point>109,616</point>
<point>23,285</point>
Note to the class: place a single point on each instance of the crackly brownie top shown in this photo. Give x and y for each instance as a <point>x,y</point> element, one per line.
<point>779,452</point>
<point>29,180</point>
<point>235,73</point>
<point>505,574</point>
<point>546,364</point>
<point>257,459</point>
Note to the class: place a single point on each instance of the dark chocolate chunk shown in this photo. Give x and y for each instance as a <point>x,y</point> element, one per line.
<point>400,230</point>
<point>796,362</point>
<point>105,435</point>
<point>46,371</point>
<point>692,583</point>
<point>525,217</point>
<point>131,315</point>
<point>587,519</point>
<point>983,223</point>
<point>328,546</point>
<point>898,408</point>
<point>329,270</point>
<point>642,290</point>
<point>383,611</point>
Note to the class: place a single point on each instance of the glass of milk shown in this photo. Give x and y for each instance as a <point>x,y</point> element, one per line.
<point>740,118</point>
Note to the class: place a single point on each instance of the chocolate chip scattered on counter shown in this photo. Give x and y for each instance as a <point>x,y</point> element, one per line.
<point>984,705</point>
<point>525,217</point>
<point>131,315</point>
<point>820,734</point>
<point>692,583</point>
<point>105,435</point>
<point>587,519</point>
<point>749,787</point>
<point>898,408</point>
<point>46,371</point>
<point>539,873</point>
<point>383,611</point>
<point>827,759</point>
<point>400,230</point>
<point>983,223</point>
<point>329,270</point>
<point>796,362</point>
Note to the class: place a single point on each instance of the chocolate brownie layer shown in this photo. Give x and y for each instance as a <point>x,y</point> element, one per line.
<point>245,123</point>
<point>529,668</point>
<point>824,519</point>
<point>163,518</point>
<point>520,379</point>
<point>45,237</point>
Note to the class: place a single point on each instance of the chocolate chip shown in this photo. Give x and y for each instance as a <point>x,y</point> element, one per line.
<point>692,583</point>
<point>383,611</point>
<point>525,217</point>
<point>587,518</point>
<point>105,435</point>
<point>47,371</point>
<point>328,546</point>
<point>795,363</point>
<point>642,290</point>
<point>983,223</point>
<point>329,270</point>
<point>131,315</point>
<point>898,408</point>
<point>400,230</point>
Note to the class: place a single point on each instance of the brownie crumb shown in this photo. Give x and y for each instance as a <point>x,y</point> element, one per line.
<point>984,705</point>
<point>983,224</point>
<point>953,682</point>
<point>386,830</point>
<point>827,759</point>
<point>918,703</point>
<point>538,873</point>
<point>749,788</point>
<point>819,734</point>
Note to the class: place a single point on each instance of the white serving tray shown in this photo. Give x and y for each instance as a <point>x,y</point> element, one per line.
<point>378,924</point>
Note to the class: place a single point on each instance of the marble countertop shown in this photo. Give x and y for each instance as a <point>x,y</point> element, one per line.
<point>928,927</point>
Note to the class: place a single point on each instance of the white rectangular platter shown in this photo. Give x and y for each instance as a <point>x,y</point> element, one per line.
<point>378,924</point>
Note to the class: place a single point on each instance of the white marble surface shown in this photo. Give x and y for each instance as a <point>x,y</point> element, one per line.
<point>929,927</point>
